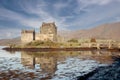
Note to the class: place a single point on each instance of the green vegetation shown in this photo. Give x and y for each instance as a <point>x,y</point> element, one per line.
<point>48,44</point>
<point>73,40</point>
<point>43,44</point>
<point>70,43</point>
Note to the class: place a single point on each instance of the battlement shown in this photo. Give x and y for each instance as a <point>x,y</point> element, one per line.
<point>28,31</point>
<point>48,24</point>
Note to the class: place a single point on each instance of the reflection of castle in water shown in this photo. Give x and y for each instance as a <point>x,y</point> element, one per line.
<point>48,60</point>
<point>47,64</point>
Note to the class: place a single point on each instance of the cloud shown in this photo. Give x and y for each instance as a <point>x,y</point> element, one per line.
<point>84,4</point>
<point>96,15</point>
<point>96,2</point>
<point>43,14</point>
<point>117,19</point>
<point>35,9</point>
<point>9,33</point>
<point>8,14</point>
<point>60,5</point>
<point>67,14</point>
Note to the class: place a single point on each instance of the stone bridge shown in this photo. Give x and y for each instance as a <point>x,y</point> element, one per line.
<point>98,45</point>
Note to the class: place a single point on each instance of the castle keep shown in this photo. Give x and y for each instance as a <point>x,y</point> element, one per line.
<point>48,31</point>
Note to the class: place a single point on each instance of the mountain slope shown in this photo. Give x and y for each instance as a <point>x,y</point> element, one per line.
<point>105,31</point>
<point>5,42</point>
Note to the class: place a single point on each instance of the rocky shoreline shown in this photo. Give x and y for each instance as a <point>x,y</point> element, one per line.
<point>110,72</point>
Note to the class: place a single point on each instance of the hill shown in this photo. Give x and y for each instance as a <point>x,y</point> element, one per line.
<point>105,31</point>
<point>5,42</point>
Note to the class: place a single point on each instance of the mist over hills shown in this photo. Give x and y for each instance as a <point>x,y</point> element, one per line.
<point>105,31</point>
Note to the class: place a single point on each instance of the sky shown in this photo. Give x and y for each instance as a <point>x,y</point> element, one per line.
<point>16,15</point>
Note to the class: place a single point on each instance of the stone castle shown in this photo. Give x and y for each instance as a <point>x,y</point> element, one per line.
<point>48,31</point>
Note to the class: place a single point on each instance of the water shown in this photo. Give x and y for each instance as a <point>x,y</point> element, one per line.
<point>51,65</point>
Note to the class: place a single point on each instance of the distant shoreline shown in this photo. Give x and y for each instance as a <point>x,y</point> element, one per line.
<point>58,49</point>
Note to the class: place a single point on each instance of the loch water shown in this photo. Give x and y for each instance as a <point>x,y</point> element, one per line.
<point>57,65</point>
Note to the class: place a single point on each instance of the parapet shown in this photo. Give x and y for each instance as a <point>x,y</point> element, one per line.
<point>48,24</point>
<point>28,31</point>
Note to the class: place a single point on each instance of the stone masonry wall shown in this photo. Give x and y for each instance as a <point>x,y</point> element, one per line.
<point>44,37</point>
<point>48,31</point>
<point>27,36</point>
<point>48,28</point>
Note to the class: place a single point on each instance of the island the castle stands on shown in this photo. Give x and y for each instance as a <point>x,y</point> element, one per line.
<point>48,37</point>
<point>48,31</point>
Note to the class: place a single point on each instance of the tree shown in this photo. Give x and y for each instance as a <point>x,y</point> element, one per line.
<point>73,40</point>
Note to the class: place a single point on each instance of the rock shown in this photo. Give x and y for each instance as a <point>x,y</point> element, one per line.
<point>31,74</point>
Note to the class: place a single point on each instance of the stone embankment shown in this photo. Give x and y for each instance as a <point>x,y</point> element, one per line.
<point>59,49</point>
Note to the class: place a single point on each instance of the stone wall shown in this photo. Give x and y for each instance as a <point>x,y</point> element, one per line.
<point>48,28</point>
<point>44,37</point>
<point>61,39</point>
<point>27,36</point>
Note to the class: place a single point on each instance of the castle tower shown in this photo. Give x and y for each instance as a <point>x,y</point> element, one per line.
<point>27,36</point>
<point>50,30</point>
